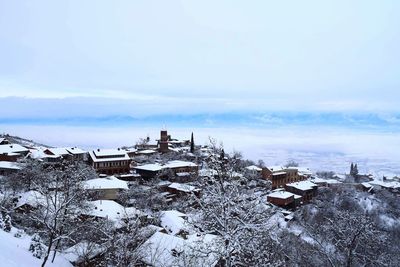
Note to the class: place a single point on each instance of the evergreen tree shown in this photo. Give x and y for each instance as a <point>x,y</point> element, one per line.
<point>7,223</point>
<point>192,144</point>
<point>355,170</point>
<point>351,168</point>
<point>36,247</point>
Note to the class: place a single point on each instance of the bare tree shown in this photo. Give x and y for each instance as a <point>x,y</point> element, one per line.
<point>240,220</point>
<point>337,231</point>
<point>64,199</point>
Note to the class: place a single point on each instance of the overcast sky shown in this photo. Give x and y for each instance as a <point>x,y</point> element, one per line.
<point>210,55</point>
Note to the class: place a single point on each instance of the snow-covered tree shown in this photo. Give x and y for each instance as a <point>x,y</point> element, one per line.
<point>335,230</point>
<point>242,221</point>
<point>122,245</point>
<point>7,223</point>
<point>36,247</point>
<point>64,198</point>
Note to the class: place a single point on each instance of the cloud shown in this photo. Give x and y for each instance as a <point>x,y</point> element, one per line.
<point>233,55</point>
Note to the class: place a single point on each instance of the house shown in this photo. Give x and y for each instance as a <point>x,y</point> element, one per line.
<point>131,152</point>
<point>149,171</point>
<point>29,201</point>
<point>58,152</point>
<point>305,172</point>
<point>108,188</point>
<point>391,186</point>
<point>177,168</point>
<point>178,189</point>
<point>279,176</point>
<point>167,250</point>
<point>12,152</point>
<point>306,189</point>
<point>110,161</point>
<point>284,199</point>
<point>70,153</point>
<point>8,167</point>
<point>112,211</point>
<point>77,153</point>
<point>84,254</point>
<point>253,170</point>
<point>38,154</point>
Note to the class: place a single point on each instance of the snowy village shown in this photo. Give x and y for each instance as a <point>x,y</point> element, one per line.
<point>212,133</point>
<point>170,202</point>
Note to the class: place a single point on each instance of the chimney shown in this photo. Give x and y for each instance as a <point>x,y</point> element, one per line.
<point>98,150</point>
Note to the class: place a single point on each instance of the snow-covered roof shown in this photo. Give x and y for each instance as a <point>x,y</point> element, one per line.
<point>253,168</point>
<point>111,210</point>
<point>150,167</point>
<point>31,198</point>
<point>75,150</point>
<point>276,168</point>
<point>385,184</point>
<point>179,164</point>
<point>12,148</point>
<point>173,221</point>
<point>159,248</point>
<point>77,251</point>
<point>103,155</point>
<point>167,251</point>
<point>304,170</point>
<point>109,152</point>
<point>9,165</point>
<point>110,182</point>
<point>367,185</point>
<point>303,185</point>
<point>38,153</point>
<point>130,150</point>
<point>169,165</point>
<point>58,151</point>
<point>281,194</point>
<point>183,187</point>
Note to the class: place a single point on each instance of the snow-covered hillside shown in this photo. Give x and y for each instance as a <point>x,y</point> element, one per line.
<point>14,252</point>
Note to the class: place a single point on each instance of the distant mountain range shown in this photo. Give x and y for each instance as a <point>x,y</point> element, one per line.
<point>260,120</point>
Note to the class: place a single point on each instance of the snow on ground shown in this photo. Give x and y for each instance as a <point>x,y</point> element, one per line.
<point>14,252</point>
<point>173,221</point>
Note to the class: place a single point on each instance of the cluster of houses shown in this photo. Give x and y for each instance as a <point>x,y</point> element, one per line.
<point>291,186</point>
<point>173,234</point>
